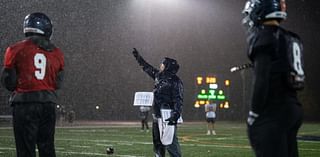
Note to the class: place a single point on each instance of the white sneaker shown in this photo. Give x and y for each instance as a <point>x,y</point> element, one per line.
<point>214,133</point>
<point>208,133</point>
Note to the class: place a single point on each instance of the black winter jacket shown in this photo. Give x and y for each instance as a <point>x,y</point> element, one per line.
<point>168,88</point>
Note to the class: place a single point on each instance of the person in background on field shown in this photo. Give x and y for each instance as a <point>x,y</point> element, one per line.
<point>210,110</point>
<point>144,114</point>
<point>71,116</point>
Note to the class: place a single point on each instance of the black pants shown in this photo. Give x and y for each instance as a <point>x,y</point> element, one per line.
<point>144,122</point>
<point>34,124</point>
<point>159,148</point>
<point>274,135</point>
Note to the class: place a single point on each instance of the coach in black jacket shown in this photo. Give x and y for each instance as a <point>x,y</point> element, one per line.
<point>168,94</point>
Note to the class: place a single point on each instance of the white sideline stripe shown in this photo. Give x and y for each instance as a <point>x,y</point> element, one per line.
<point>217,146</point>
<point>86,131</point>
<point>6,116</point>
<point>150,143</point>
<point>78,146</point>
<point>111,141</point>
<point>193,145</point>
<point>7,148</point>
<point>7,137</point>
<point>80,153</point>
<point>59,148</point>
<point>145,143</point>
<point>97,154</point>
<point>195,140</point>
<point>300,141</point>
<point>126,143</point>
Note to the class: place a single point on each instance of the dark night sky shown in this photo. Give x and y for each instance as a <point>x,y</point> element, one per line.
<point>205,36</point>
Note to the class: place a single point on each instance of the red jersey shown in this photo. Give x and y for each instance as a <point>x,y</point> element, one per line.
<point>36,68</point>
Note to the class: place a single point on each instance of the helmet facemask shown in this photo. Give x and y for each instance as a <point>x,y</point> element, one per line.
<point>251,11</point>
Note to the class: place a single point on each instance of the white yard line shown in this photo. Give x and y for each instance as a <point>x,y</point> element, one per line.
<point>96,154</point>
<point>79,146</point>
<point>110,141</point>
<point>124,142</point>
<point>6,128</point>
<point>7,148</point>
<point>87,131</point>
<point>7,137</point>
<point>70,152</point>
<point>194,140</point>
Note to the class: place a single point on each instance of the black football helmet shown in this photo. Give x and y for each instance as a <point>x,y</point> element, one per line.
<point>257,11</point>
<point>37,23</point>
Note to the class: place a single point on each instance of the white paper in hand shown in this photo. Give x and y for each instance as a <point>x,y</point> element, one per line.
<point>143,99</point>
<point>166,132</point>
<point>166,113</point>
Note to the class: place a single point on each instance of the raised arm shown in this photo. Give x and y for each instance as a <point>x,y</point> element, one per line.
<point>149,69</point>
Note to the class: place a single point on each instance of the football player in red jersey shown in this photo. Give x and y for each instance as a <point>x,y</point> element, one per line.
<point>33,71</point>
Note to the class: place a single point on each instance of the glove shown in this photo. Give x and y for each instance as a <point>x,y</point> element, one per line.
<point>252,117</point>
<point>173,118</point>
<point>135,52</point>
<point>171,121</point>
<point>9,78</point>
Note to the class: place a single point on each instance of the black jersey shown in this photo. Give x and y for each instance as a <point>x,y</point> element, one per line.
<point>277,56</point>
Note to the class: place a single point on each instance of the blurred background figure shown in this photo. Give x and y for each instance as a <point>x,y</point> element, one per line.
<point>210,110</point>
<point>61,114</point>
<point>144,114</point>
<point>71,116</point>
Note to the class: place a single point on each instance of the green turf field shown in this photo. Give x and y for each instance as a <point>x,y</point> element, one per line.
<point>128,141</point>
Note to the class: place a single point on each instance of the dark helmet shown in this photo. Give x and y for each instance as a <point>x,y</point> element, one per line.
<point>171,65</point>
<point>257,11</point>
<point>37,23</point>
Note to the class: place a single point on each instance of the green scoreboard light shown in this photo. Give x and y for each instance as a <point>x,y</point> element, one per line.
<point>211,90</point>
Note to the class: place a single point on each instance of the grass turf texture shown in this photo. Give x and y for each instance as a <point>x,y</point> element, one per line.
<point>127,141</point>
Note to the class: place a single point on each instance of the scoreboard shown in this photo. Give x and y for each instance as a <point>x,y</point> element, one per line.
<point>211,89</point>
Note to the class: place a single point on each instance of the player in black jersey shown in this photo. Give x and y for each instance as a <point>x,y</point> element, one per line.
<point>277,57</point>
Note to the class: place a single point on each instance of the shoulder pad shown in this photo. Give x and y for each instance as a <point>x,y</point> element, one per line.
<point>17,46</point>
<point>176,78</point>
<point>43,43</point>
<point>262,37</point>
<point>293,35</point>
<point>265,37</point>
